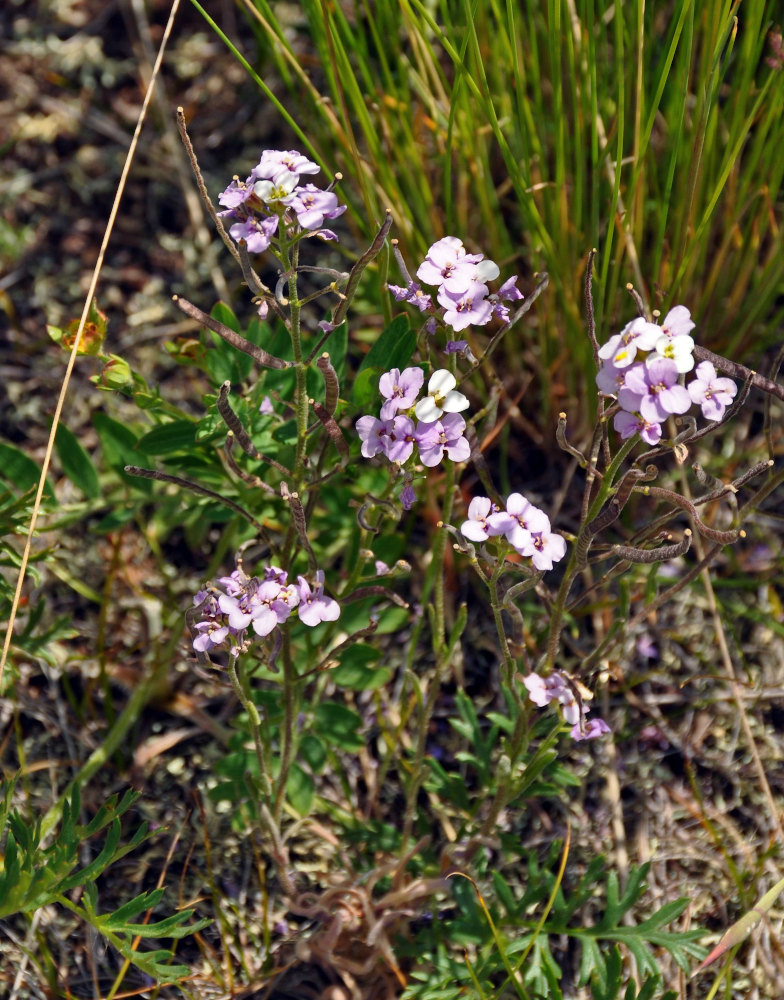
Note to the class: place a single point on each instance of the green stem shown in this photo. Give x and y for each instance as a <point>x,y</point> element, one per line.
<point>495,604</point>
<point>239,682</point>
<point>441,651</point>
<point>289,716</point>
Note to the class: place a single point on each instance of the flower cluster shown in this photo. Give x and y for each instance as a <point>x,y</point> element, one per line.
<point>259,603</point>
<point>461,279</point>
<point>273,192</point>
<point>651,389</point>
<point>526,528</point>
<point>555,687</point>
<point>439,428</point>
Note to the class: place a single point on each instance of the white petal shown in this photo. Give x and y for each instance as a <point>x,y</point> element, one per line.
<point>454,402</point>
<point>441,381</point>
<point>427,411</point>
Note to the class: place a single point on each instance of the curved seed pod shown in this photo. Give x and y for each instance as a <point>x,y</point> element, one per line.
<point>246,477</point>
<point>361,263</point>
<point>331,384</point>
<point>370,503</point>
<point>662,553</point>
<point>298,516</point>
<point>186,141</point>
<point>252,279</point>
<point>187,484</point>
<point>631,479</point>
<point>560,437</point>
<point>233,422</point>
<point>723,537</point>
<point>331,427</point>
<point>229,335</point>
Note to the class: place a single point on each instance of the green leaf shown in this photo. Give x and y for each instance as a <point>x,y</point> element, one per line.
<point>365,390</point>
<point>394,347</point>
<point>76,463</point>
<point>356,672</point>
<point>21,471</point>
<point>118,442</point>
<point>299,789</point>
<point>339,725</point>
<point>313,752</point>
<point>177,435</point>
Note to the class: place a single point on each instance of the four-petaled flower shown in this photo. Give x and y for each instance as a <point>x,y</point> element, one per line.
<point>653,390</point>
<point>442,397</point>
<point>444,435</point>
<point>713,394</point>
<point>314,607</point>
<point>622,348</point>
<point>485,520</point>
<point>399,389</point>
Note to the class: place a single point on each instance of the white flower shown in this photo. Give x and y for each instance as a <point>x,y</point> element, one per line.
<point>442,397</point>
<point>678,348</point>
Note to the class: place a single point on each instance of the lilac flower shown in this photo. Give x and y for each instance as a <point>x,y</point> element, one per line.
<point>312,206</point>
<point>314,607</point>
<point>456,347</point>
<point>610,379</point>
<point>275,161</point>
<point>646,647</point>
<point>412,293</point>
<point>401,440</point>
<point>485,520</point>
<point>652,390</point>
<point>400,390</point>
<point>442,397</point>
<point>272,606</point>
<point>554,687</point>
<point>444,435</point>
<point>234,583</point>
<point>469,306</point>
<point>266,406</point>
<point>713,394</point>
<point>499,310</point>
<point>509,292</point>
<point>408,497</point>
<point>449,266</point>
<point>525,519</point>
<point>590,730</point>
<point>677,323</point>
<point>207,603</point>
<point>548,548</point>
<point>628,424</point>
<point>374,435</point>
<point>622,348</point>
<point>276,573</point>
<point>212,634</point>
<point>236,194</point>
<point>257,233</point>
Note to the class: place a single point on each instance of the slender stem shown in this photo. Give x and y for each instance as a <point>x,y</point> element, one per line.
<point>239,682</point>
<point>289,716</point>
<point>442,655</point>
<point>508,664</point>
